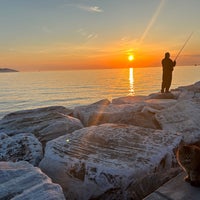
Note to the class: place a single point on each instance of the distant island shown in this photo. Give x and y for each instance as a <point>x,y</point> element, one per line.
<point>7,70</point>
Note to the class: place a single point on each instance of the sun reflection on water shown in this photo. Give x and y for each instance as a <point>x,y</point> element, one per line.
<point>131,82</point>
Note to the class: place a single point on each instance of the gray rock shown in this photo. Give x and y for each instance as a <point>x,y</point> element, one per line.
<point>188,92</point>
<point>125,113</point>
<point>129,100</point>
<point>85,113</point>
<point>183,117</point>
<point>20,147</point>
<point>160,104</point>
<point>149,184</point>
<point>23,181</point>
<point>45,123</point>
<point>99,162</point>
<point>162,96</point>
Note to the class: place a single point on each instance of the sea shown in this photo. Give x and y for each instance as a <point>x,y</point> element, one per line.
<point>71,88</point>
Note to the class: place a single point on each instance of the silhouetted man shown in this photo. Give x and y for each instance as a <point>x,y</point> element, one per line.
<point>168,67</point>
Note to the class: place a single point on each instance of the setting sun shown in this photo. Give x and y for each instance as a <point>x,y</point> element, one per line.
<point>130,57</point>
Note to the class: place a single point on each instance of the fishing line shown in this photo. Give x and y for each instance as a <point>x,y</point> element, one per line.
<point>184,45</point>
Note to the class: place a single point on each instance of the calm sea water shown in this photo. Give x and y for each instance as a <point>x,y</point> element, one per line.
<point>27,90</point>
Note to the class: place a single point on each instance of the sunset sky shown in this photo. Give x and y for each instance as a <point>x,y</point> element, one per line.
<point>70,34</point>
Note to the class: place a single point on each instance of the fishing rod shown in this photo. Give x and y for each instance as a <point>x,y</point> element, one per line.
<point>183,46</point>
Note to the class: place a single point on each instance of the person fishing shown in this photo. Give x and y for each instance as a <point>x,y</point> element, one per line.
<point>168,67</point>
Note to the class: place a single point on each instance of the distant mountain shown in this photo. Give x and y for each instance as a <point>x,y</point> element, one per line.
<point>7,70</point>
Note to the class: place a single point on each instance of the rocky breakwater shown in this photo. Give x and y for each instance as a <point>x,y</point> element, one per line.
<point>133,110</point>
<point>119,149</point>
<point>184,116</point>
<point>23,136</point>
<point>108,160</point>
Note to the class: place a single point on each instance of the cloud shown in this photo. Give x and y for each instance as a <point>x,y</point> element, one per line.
<point>88,36</point>
<point>94,9</point>
<point>91,8</point>
<point>92,36</point>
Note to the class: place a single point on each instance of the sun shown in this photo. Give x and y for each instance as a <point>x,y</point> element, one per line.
<point>131,58</point>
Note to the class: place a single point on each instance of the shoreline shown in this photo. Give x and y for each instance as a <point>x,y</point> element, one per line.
<point>126,145</point>
<point>69,89</point>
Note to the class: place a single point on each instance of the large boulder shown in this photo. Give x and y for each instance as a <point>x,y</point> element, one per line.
<point>160,104</point>
<point>110,161</point>
<point>20,147</point>
<point>129,99</point>
<point>21,180</point>
<point>125,113</point>
<point>45,123</point>
<point>138,111</point>
<point>183,117</point>
<point>85,113</point>
<point>188,92</point>
<point>162,96</point>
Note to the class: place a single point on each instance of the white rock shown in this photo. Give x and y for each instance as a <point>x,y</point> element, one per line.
<point>183,117</point>
<point>45,123</point>
<point>188,92</point>
<point>84,113</point>
<point>161,96</point>
<point>20,147</point>
<point>150,110</point>
<point>106,159</point>
<point>97,113</point>
<point>23,181</point>
<point>160,104</point>
<point>129,100</point>
<point>186,95</point>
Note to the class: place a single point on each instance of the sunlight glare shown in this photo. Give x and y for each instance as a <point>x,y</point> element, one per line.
<point>153,20</point>
<point>131,82</point>
<point>130,58</point>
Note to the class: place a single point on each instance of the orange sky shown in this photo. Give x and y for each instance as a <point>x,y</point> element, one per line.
<point>57,35</point>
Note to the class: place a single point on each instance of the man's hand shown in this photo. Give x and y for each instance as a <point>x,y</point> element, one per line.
<point>174,62</point>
